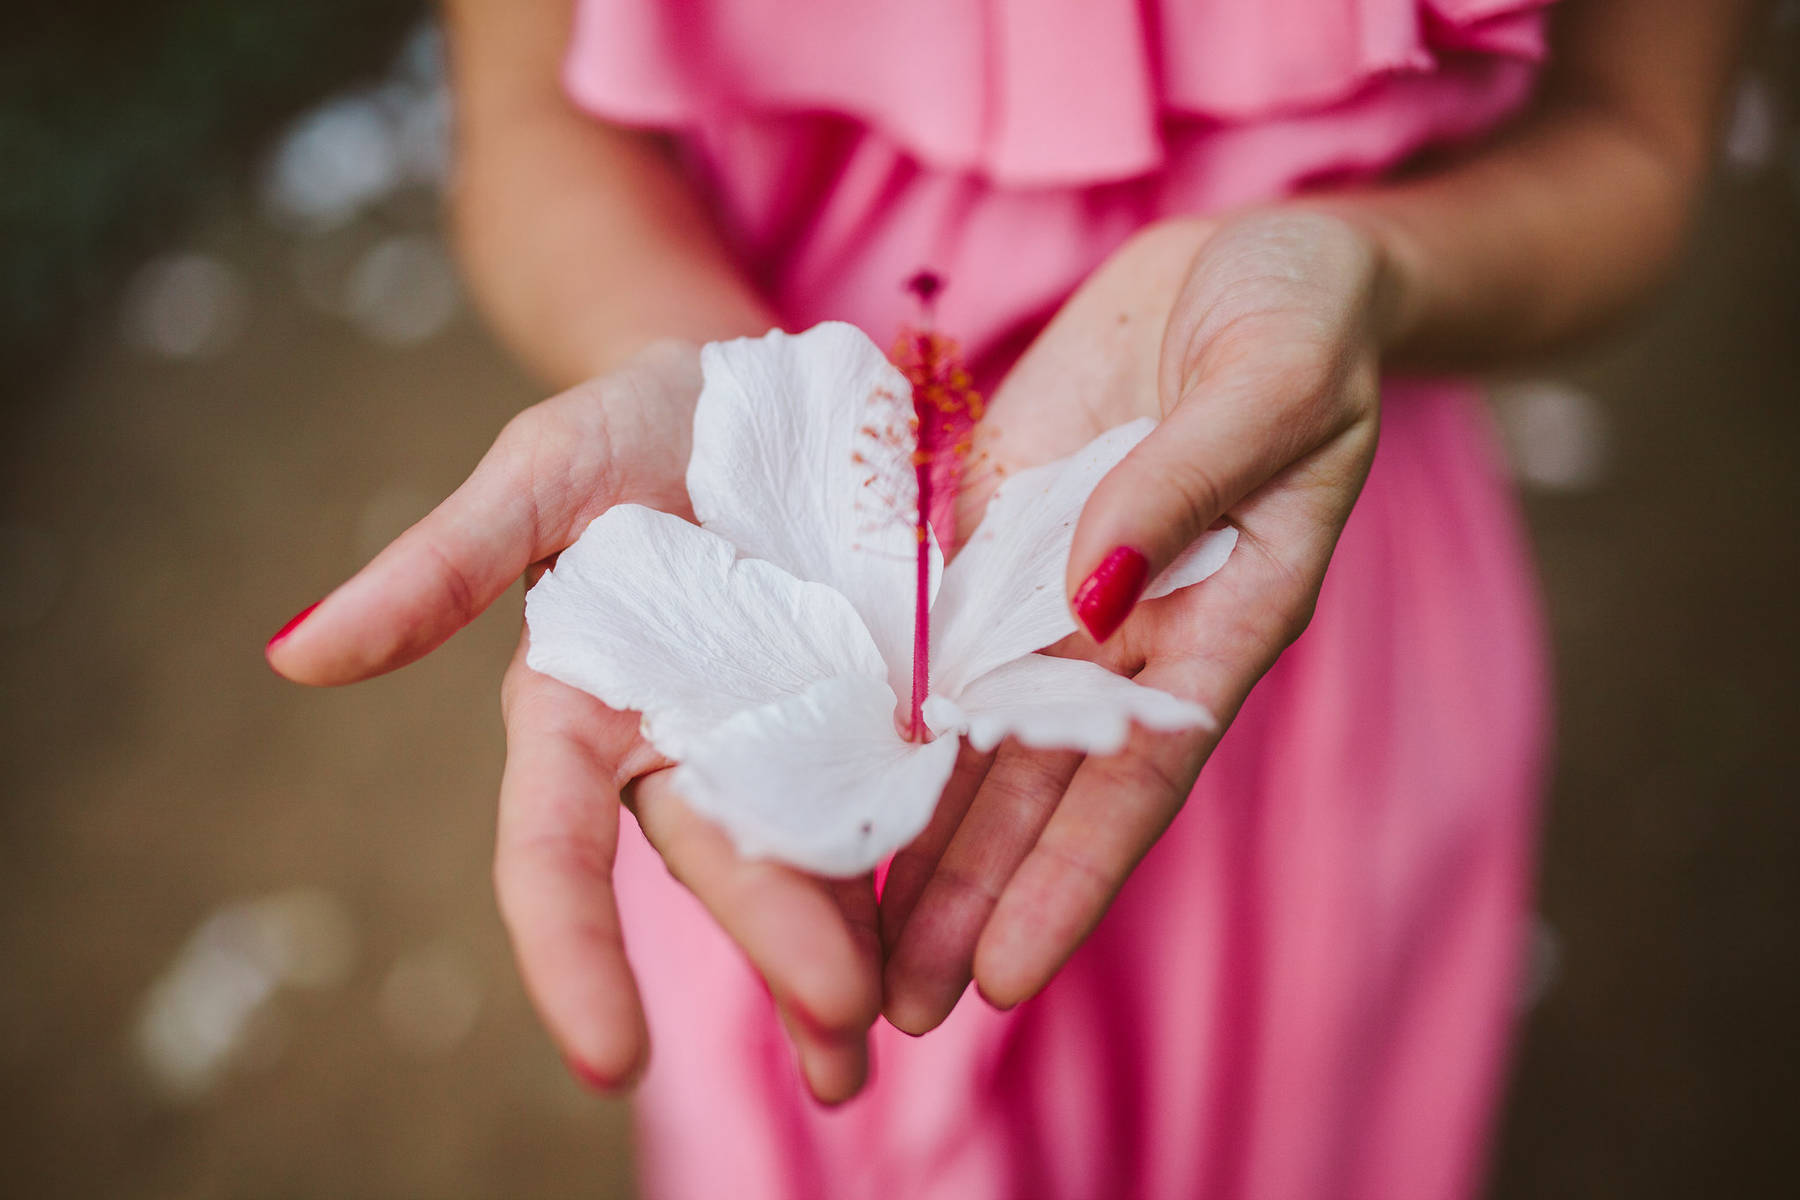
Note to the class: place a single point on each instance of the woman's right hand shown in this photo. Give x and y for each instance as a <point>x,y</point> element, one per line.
<point>572,762</point>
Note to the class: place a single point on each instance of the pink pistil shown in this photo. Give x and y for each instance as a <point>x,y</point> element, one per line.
<point>921,677</point>
<point>945,409</point>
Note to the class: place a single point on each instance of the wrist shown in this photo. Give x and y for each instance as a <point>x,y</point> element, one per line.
<point>1372,258</point>
<point>1397,290</point>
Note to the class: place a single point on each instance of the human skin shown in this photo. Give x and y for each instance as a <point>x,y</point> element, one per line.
<point>1257,337</point>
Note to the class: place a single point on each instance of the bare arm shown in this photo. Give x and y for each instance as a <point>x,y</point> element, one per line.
<point>583,242</point>
<point>1574,213</point>
<point>1516,247</point>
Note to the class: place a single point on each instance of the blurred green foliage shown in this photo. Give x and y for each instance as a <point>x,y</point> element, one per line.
<point>118,118</point>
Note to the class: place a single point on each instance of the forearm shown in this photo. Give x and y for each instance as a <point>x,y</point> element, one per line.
<point>582,242</point>
<point>1524,248</point>
<point>1567,220</point>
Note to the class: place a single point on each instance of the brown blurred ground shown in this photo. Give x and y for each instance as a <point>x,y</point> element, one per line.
<point>159,517</point>
<point>157,768</point>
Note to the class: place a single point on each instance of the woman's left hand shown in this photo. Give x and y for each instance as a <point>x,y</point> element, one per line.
<point>1257,343</point>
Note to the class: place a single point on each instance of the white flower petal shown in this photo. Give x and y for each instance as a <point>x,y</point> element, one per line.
<point>1002,595</point>
<point>651,613</point>
<point>1195,563</point>
<point>821,780</point>
<point>1060,704</point>
<point>803,456</point>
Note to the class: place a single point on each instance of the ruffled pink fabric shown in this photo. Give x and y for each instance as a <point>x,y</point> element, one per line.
<point>1305,990</point>
<point>1024,93</point>
<point>846,145</point>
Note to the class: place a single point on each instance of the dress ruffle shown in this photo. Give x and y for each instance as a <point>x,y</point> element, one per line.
<point>998,90</point>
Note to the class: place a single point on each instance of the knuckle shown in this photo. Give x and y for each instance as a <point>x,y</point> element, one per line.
<point>522,861</point>
<point>1030,781</point>
<point>518,438</point>
<point>1194,494</point>
<point>1141,776</point>
<point>1294,603</point>
<point>566,449</point>
<point>1080,869</point>
<point>1287,595</point>
<point>956,880</point>
<point>457,593</point>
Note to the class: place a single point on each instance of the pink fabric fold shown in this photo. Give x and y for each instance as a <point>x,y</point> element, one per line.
<point>848,144</point>
<point>1024,93</point>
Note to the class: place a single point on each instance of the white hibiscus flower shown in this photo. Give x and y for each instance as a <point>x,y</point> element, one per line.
<point>769,646</point>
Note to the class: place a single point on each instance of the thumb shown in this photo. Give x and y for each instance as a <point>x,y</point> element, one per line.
<point>437,576</point>
<point>553,468</point>
<point>1209,453</point>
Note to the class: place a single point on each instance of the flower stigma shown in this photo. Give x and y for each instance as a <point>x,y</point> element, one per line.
<point>945,408</point>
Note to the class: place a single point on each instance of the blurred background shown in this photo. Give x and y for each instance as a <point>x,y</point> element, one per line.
<point>247,941</point>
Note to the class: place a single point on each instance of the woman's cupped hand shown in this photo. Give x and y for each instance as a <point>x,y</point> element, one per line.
<point>1256,343</point>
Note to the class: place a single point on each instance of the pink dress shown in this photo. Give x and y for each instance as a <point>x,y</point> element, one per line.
<point>1306,989</point>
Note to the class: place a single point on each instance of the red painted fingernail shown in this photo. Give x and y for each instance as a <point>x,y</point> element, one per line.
<point>293,624</point>
<point>589,1078</point>
<point>1106,597</point>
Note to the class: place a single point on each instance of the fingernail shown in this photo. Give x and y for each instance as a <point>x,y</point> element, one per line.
<point>589,1078</point>
<point>293,624</point>
<point>1106,597</point>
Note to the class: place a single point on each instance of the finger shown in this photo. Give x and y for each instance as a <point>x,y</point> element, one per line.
<point>553,469</point>
<point>1095,359</point>
<point>836,1063</point>
<point>1221,442</point>
<point>1111,813</point>
<point>931,966</point>
<point>558,831</point>
<point>814,941</point>
<point>912,866</point>
<point>1265,357</point>
<point>1237,623</point>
